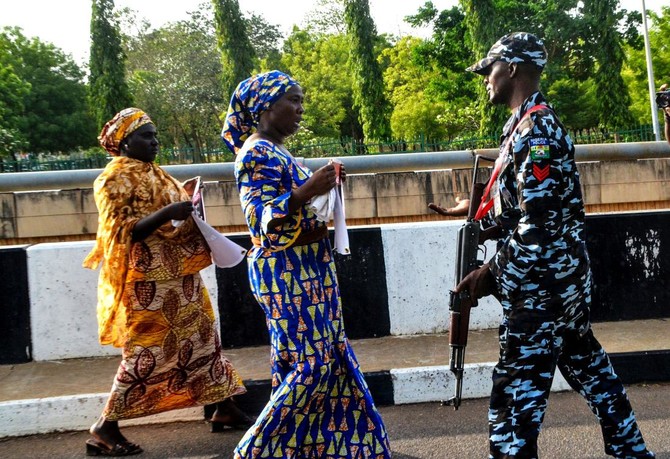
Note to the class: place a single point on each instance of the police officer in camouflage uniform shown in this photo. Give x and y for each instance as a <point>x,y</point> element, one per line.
<point>541,272</point>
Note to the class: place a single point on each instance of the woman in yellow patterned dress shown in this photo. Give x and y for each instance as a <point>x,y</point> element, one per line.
<point>151,299</point>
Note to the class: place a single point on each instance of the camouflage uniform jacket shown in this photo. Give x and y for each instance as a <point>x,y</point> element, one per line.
<point>543,251</point>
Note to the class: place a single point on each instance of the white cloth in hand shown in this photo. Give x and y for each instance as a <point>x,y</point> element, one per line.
<point>323,205</point>
<point>330,206</point>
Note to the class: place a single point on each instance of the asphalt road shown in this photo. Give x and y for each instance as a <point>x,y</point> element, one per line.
<point>421,431</point>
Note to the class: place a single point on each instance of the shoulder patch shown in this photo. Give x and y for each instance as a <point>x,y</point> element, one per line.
<point>539,149</point>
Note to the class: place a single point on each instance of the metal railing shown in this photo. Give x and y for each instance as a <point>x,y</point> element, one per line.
<point>366,164</point>
<point>334,148</point>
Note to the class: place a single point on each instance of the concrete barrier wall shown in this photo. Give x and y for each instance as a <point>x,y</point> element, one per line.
<point>50,216</point>
<point>61,303</point>
<point>395,282</point>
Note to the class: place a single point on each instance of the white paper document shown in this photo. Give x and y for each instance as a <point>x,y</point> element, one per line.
<point>194,189</point>
<point>340,223</point>
<point>225,253</point>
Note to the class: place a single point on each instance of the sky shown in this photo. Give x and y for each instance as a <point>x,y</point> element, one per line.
<point>65,23</point>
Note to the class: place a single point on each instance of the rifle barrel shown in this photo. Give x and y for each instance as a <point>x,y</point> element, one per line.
<point>457,365</point>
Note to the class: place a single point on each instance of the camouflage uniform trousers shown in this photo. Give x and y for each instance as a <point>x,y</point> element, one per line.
<point>534,340</point>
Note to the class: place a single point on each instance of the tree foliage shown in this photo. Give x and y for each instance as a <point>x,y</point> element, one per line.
<point>238,57</point>
<point>368,85</point>
<point>415,113</point>
<point>357,83</point>
<point>635,70</point>
<point>442,59</point>
<point>327,18</point>
<point>12,93</point>
<point>575,102</point>
<point>316,62</point>
<point>42,97</point>
<point>265,38</point>
<point>175,76</point>
<point>108,89</point>
<point>485,24</point>
<point>612,97</point>
<point>584,42</point>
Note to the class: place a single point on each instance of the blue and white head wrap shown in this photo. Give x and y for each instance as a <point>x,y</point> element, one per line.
<point>251,98</point>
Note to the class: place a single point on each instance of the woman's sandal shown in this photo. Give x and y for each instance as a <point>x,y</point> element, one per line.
<point>95,447</point>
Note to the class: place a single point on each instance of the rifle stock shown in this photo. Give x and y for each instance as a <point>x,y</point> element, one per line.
<point>461,303</point>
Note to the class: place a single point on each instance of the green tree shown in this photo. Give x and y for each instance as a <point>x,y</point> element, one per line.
<point>316,61</point>
<point>613,99</point>
<point>575,101</point>
<point>238,57</point>
<point>368,87</point>
<point>583,41</point>
<point>108,89</point>
<point>175,77</point>
<point>12,93</point>
<point>327,18</point>
<point>55,115</point>
<point>635,70</point>
<point>445,48</point>
<point>415,113</point>
<point>265,39</point>
<point>442,60</point>
<point>484,26</point>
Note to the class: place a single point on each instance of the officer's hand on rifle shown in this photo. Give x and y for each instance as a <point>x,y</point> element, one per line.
<point>479,283</point>
<point>492,232</point>
<point>460,210</point>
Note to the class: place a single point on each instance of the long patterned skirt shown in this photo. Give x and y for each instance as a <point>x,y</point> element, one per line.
<point>320,405</point>
<point>172,357</point>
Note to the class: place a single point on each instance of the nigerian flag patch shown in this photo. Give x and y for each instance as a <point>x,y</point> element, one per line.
<point>539,149</point>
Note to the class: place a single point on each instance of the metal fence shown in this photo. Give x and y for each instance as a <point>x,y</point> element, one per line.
<point>362,164</point>
<point>52,164</point>
<point>334,148</point>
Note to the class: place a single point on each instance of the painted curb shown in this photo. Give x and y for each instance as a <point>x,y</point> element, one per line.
<point>394,387</point>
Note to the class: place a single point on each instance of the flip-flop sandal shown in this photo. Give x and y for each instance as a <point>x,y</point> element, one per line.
<point>95,447</point>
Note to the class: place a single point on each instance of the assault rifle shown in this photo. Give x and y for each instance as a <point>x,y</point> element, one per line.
<point>468,245</point>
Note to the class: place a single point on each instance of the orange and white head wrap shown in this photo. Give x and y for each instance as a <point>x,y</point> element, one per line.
<point>122,125</point>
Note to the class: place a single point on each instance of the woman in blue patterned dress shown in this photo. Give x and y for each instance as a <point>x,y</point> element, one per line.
<point>320,405</point>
